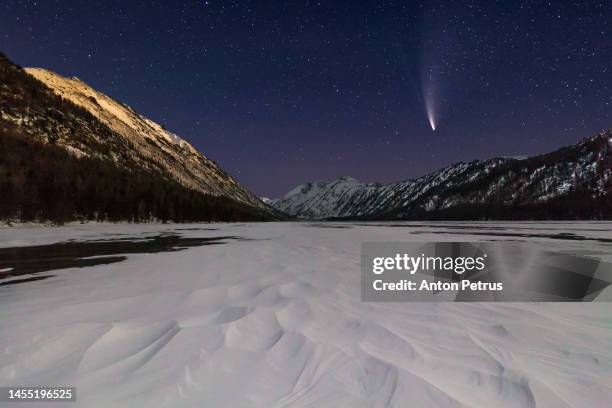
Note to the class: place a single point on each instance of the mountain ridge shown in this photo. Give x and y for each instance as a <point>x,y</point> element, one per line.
<point>157,144</point>
<point>41,112</point>
<point>500,188</point>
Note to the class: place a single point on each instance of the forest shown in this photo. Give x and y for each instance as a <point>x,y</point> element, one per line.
<point>44,182</point>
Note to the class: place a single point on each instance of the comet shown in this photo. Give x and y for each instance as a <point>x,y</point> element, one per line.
<point>429,109</point>
<point>428,85</point>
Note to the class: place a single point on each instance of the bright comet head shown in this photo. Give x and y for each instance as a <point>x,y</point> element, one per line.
<point>430,112</point>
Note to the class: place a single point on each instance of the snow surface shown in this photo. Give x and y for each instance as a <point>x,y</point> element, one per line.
<point>274,319</point>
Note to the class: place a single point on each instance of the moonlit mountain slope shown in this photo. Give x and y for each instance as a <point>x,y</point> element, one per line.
<point>153,146</point>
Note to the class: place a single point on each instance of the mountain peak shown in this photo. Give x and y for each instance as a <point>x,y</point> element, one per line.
<point>348,179</point>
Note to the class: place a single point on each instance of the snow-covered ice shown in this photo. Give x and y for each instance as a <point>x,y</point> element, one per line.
<point>272,317</point>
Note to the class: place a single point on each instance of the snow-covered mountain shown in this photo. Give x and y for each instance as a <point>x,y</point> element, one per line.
<point>42,107</point>
<point>571,182</point>
<point>339,198</point>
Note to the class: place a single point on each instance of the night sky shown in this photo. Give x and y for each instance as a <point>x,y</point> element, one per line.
<point>284,92</point>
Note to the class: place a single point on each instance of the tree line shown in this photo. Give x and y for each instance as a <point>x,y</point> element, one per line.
<point>44,182</point>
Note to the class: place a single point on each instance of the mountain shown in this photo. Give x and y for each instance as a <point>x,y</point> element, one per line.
<point>574,182</point>
<point>339,198</point>
<point>63,122</point>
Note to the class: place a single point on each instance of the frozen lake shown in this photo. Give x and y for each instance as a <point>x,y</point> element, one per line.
<point>269,315</point>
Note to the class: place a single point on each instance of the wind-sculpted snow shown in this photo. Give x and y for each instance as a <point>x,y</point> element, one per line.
<point>508,187</point>
<point>275,319</point>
